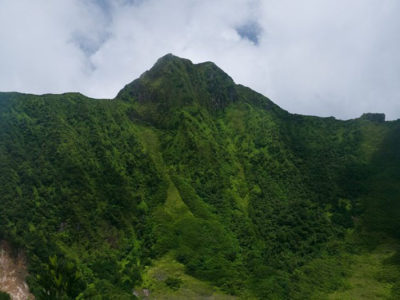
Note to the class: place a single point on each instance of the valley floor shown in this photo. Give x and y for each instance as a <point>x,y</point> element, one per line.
<point>372,274</point>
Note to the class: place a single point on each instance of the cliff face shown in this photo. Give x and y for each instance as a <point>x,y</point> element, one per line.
<point>380,118</point>
<point>13,273</point>
<point>184,167</point>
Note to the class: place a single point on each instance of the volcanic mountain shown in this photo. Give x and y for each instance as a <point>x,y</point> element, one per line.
<point>189,186</point>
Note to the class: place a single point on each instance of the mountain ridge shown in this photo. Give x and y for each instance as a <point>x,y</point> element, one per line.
<point>165,61</point>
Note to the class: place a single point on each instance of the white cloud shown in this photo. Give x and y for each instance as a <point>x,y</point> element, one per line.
<point>314,56</point>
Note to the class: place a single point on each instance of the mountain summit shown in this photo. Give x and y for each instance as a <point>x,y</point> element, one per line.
<point>175,81</point>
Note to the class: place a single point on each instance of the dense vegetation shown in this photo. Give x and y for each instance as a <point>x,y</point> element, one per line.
<point>187,166</point>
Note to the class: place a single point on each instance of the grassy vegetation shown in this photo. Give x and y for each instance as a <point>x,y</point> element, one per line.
<point>189,185</point>
<point>372,273</point>
<point>166,279</point>
<point>4,296</point>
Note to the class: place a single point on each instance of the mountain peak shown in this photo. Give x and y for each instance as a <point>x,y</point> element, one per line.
<point>175,82</point>
<point>167,58</point>
<point>169,64</point>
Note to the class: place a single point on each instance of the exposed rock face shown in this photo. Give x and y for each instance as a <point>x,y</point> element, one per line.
<point>13,273</point>
<point>374,117</point>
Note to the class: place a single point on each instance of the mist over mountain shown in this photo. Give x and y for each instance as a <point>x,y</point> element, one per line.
<point>189,186</point>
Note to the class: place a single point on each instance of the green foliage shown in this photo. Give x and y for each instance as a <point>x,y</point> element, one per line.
<point>4,296</point>
<point>173,283</point>
<point>188,165</point>
<point>60,279</point>
<point>76,183</point>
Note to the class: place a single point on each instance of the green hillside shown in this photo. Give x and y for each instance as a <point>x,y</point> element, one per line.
<point>187,185</point>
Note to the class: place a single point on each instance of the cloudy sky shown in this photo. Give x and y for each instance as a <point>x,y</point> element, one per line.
<point>319,57</point>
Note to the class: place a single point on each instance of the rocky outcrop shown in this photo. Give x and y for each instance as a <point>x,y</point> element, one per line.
<point>13,272</point>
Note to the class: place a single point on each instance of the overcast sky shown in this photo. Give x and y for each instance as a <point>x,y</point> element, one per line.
<point>321,57</point>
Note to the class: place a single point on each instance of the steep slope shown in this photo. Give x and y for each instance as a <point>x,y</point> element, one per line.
<point>76,186</point>
<point>184,167</point>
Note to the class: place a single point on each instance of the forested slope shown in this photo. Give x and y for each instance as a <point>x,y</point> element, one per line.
<point>184,166</point>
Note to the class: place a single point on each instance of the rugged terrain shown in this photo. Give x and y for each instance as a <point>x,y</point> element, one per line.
<point>187,185</point>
